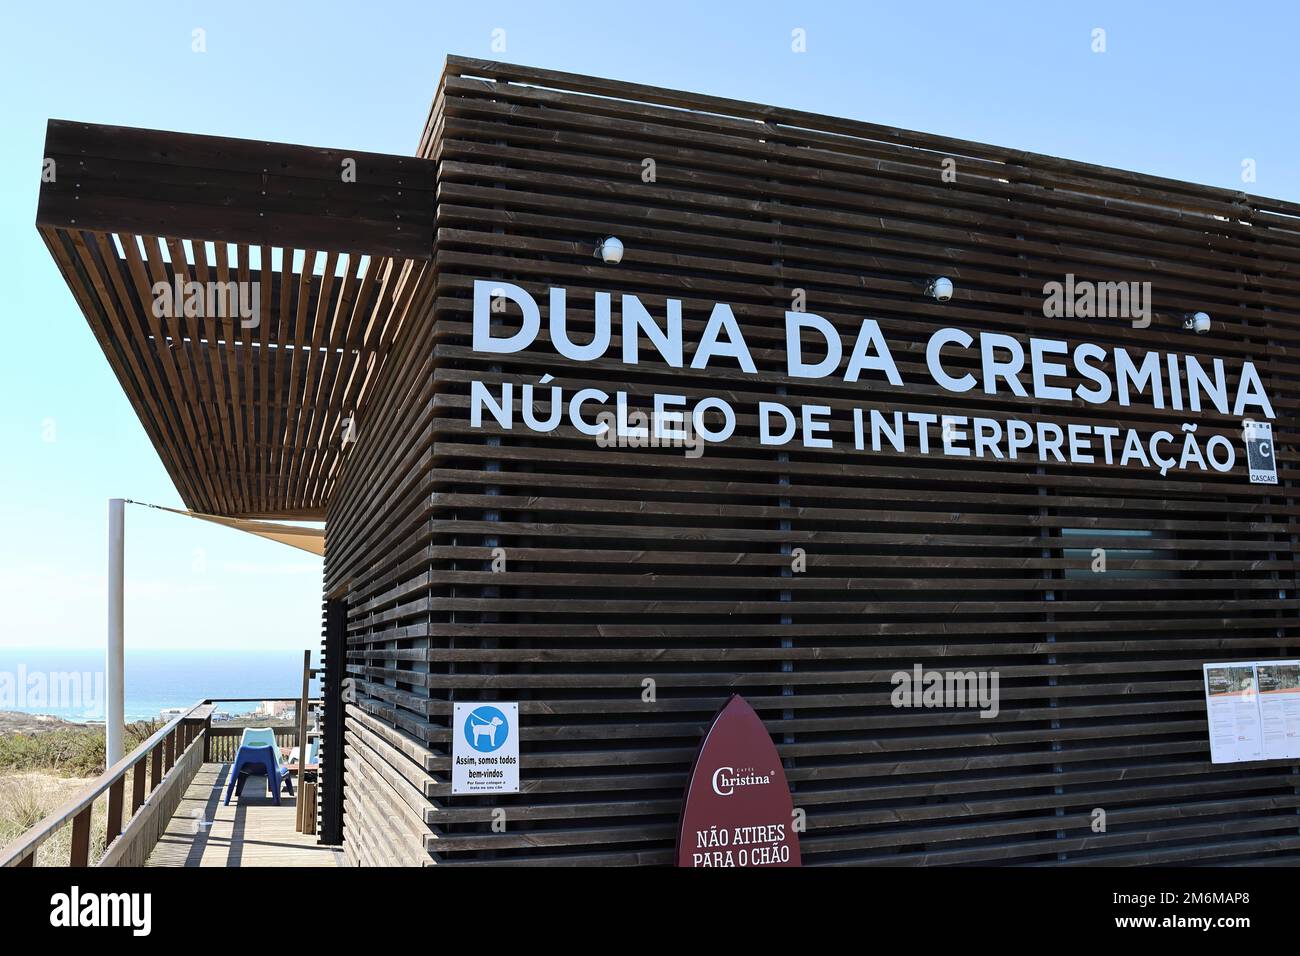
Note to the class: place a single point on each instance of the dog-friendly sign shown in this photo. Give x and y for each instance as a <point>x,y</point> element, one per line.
<point>737,810</point>
<point>485,748</point>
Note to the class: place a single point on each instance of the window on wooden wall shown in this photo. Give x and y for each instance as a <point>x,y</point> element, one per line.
<point>1117,558</point>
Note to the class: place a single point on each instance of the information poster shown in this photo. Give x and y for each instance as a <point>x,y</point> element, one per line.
<point>485,748</point>
<point>1279,708</point>
<point>1253,710</point>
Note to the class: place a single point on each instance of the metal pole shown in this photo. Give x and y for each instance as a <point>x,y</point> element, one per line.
<point>302,742</point>
<point>115,708</point>
<point>303,749</point>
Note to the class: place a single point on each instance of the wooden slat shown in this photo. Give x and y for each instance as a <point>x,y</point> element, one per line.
<point>79,852</point>
<point>113,824</point>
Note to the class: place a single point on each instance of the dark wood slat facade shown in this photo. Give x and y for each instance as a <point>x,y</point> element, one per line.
<point>630,564</point>
<point>635,564</point>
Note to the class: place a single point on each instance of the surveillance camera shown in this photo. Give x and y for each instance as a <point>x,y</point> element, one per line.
<point>1198,322</point>
<point>940,288</point>
<point>610,250</point>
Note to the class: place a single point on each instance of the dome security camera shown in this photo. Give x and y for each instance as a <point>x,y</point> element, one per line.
<point>1198,322</point>
<point>609,250</point>
<point>939,289</point>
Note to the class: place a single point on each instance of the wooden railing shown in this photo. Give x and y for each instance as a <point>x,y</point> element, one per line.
<point>148,766</point>
<point>160,770</point>
<point>223,742</point>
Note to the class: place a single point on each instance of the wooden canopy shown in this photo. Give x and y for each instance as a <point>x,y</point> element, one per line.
<point>249,411</point>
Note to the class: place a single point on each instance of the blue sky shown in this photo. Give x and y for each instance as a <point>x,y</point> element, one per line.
<point>1184,90</point>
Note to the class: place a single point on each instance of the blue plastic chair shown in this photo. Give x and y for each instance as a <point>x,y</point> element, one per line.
<point>257,755</point>
<point>257,737</point>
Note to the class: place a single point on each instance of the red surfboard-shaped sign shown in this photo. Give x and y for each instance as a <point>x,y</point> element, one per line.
<point>737,810</point>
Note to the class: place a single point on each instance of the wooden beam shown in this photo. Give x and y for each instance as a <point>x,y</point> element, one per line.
<point>161,183</point>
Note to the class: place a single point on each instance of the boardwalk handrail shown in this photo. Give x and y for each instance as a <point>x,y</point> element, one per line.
<point>159,754</point>
<point>79,808</point>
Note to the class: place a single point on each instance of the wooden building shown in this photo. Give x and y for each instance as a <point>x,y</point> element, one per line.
<point>621,594</point>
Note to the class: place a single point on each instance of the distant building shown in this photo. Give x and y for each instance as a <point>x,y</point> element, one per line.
<point>275,708</point>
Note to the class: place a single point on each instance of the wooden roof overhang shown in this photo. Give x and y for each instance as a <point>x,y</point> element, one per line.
<point>248,414</point>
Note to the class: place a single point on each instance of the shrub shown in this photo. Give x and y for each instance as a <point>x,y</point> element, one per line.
<point>68,751</point>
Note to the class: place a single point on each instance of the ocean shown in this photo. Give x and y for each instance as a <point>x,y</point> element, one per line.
<point>69,683</point>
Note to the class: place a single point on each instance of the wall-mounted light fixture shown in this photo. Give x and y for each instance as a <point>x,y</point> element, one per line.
<point>609,250</point>
<point>939,288</point>
<point>1198,322</point>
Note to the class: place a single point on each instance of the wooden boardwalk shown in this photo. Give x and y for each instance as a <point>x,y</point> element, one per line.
<point>252,831</point>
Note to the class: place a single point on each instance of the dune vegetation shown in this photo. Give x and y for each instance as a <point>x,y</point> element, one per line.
<point>41,771</point>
